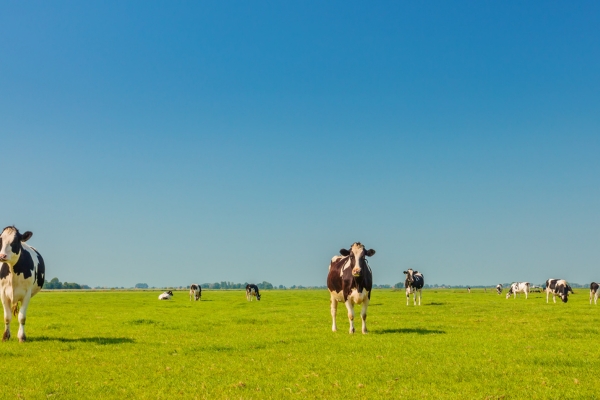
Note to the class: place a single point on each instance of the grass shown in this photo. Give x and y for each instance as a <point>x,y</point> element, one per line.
<point>456,345</point>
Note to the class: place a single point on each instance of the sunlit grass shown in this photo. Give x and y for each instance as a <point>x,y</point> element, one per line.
<point>456,345</point>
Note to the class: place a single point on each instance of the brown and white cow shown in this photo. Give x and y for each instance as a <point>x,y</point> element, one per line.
<point>594,292</point>
<point>22,273</point>
<point>252,291</point>
<point>195,292</point>
<point>558,287</point>
<point>350,281</point>
<point>414,284</point>
<point>499,288</point>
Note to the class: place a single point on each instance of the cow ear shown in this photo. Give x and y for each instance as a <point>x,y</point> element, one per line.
<point>405,272</point>
<point>344,252</point>
<point>370,252</point>
<point>26,236</point>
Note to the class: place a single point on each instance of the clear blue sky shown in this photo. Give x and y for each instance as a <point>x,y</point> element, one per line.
<point>179,142</point>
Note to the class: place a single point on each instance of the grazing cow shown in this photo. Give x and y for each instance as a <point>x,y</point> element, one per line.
<point>166,295</point>
<point>414,284</point>
<point>558,287</point>
<point>594,292</point>
<point>195,292</point>
<point>499,289</point>
<point>518,287</point>
<point>252,291</point>
<point>22,273</point>
<point>350,281</point>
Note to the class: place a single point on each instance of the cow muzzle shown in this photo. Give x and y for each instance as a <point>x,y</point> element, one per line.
<point>356,271</point>
<point>3,257</point>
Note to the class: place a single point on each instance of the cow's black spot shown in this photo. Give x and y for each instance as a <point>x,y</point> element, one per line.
<point>24,265</point>
<point>15,245</point>
<point>41,270</point>
<point>4,271</point>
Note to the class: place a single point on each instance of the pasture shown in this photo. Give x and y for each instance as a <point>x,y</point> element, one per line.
<point>456,345</point>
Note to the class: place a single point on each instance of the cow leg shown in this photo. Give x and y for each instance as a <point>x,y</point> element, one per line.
<point>407,295</point>
<point>554,297</point>
<point>7,318</point>
<point>596,298</point>
<point>22,318</point>
<point>363,315</point>
<point>415,297</point>
<point>350,308</point>
<point>333,314</point>
<point>547,293</point>
<point>420,295</point>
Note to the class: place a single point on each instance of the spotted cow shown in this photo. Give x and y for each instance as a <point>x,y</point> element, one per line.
<point>594,292</point>
<point>350,281</point>
<point>22,274</point>
<point>252,291</point>
<point>195,292</point>
<point>166,295</point>
<point>518,287</point>
<point>558,287</point>
<point>414,284</point>
<point>499,289</point>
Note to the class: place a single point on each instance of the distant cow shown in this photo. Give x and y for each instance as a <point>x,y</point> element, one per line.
<point>558,287</point>
<point>22,274</point>
<point>414,284</point>
<point>499,289</point>
<point>518,287</point>
<point>594,292</point>
<point>166,295</point>
<point>195,292</point>
<point>350,281</point>
<point>252,291</point>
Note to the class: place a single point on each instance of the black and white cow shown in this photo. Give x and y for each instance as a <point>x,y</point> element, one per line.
<point>350,281</point>
<point>22,274</point>
<point>499,289</point>
<point>252,291</point>
<point>518,287</point>
<point>594,292</point>
<point>414,284</point>
<point>166,295</point>
<point>558,287</point>
<point>195,292</point>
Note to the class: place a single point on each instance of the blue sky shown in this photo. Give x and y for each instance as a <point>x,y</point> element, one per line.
<point>171,143</point>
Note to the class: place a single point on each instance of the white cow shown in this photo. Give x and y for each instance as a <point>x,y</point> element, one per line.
<point>166,295</point>
<point>594,292</point>
<point>518,287</point>
<point>22,273</point>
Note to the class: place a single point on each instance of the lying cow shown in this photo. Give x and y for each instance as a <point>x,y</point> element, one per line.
<point>195,291</point>
<point>594,292</point>
<point>166,295</point>
<point>414,284</point>
<point>22,274</point>
<point>518,287</point>
<point>499,289</point>
<point>558,287</point>
<point>252,291</point>
<point>350,281</point>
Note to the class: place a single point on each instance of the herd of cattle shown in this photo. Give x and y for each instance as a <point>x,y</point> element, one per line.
<point>350,280</point>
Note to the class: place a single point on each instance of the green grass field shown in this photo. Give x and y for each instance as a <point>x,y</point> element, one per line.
<point>456,345</point>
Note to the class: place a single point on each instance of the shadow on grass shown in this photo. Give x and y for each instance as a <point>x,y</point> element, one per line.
<point>435,304</point>
<point>97,340</point>
<point>418,331</point>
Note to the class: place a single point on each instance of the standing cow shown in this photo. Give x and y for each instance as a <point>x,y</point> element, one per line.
<point>558,287</point>
<point>195,292</point>
<point>350,281</point>
<point>518,287</point>
<point>594,292</point>
<point>414,284</point>
<point>22,273</point>
<point>252,291</point>
<point>499,289</point>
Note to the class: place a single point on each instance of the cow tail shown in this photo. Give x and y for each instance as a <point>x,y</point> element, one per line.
<point>15,309</point>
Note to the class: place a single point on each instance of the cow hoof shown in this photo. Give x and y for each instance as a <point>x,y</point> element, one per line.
<point>351,331</point>
<point>365,332</point>
<point>6,336</point>
<point>22,339</point>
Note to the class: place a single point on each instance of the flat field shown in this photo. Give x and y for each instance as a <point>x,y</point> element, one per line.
<point>456,345</point>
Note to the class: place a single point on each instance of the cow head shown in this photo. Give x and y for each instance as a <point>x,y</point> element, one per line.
<point>257,296</point>
<point>409,275</point>
<point>10,244</point>
<point>170,293</point>
<point>510,292</point>
<point>564,293</point>
<point>357,253</point>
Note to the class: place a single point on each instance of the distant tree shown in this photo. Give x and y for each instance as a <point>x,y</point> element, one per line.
<point>399,285</point>
<point>215,285</point>
<point>141,286</point>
